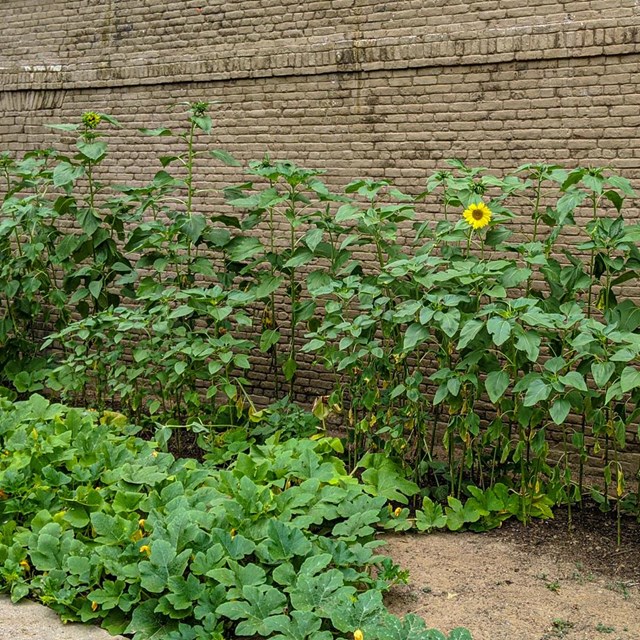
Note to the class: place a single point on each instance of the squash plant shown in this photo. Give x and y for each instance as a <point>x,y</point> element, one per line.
<point>104,527</point>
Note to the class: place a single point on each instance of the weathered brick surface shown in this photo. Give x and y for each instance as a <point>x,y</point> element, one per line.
<point>356,87</point>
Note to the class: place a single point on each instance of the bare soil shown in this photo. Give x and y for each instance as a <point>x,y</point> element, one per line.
<point>539,582</point>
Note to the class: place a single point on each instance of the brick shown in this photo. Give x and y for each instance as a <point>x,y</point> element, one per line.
<point>356,87</point>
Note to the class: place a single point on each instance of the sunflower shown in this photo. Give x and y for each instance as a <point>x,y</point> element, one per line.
<point>91,119</point>
<point>478,215</point>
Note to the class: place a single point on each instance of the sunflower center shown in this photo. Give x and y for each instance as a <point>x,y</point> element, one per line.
<point>477,214</point>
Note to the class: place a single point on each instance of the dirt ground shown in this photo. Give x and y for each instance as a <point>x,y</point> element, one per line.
<point>539,582</point>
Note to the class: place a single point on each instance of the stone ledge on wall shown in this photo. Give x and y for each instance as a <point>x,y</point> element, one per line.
<point>312,57</point>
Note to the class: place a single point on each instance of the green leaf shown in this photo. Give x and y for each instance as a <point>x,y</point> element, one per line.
<point>193,227</point>
<point>468,332</point>
<point>569,201</point>
<point>313,238</point>
<point>320,283</point>
<point>414,335</point>
<point>347,212</point>
<point>225,157</point>
<point>301,625</point>
<point>318,593</point>
<point>559,411</point>
<point>364,613</point>
<point>499,329</point>
<point>284,542</point>
<point>615,198</point>
<point>629,379</point>
<point>602,372</point>
<point>412,627</point>
<point>203,122</point>
<point>496,384</point>
<point>163,563</point>
<point>458,514</point>
<point>95,287</point>
<point>63,126</point>
<point>65,173</point>
<point>289,369</point>
<point>92,150</point>
<point>236,576</point>
<point>257,612</point>
<point>149,624</point>
<point>301,256</point>
<point>243,248</point>
<point>268,338</point>
<point>184,592</point>
<point>574,379</point>
<point>384,477</point>
<point>529,342</point>
<point>538,391</point>
<point>268,284</point>
<point>160,131</point>
<point>431,516</point>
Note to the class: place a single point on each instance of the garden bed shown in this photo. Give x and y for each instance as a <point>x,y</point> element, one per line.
<point>517,583</point>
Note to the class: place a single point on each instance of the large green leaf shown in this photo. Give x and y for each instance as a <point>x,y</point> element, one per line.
<point>284,542</point>
<point>496,384</point>
<point>259,612</point>
<point>559,410</point>
<point>365,613</point>
<point>538,391</point>
<point>414,335</point>
<point>163,563</point>
<point>499,329</point>
<point>602,372</point>
<point>629,379</point>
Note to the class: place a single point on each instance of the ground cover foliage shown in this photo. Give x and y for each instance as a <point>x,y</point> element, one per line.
<point>104,526</point>
<point>467,327</point>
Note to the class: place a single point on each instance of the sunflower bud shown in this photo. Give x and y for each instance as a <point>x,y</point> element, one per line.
<point>90,119</point>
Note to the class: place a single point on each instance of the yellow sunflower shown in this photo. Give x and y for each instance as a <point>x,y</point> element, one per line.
<point>478,215</point>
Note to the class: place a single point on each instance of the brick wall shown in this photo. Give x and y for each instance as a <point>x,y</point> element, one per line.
<point>356,87</point>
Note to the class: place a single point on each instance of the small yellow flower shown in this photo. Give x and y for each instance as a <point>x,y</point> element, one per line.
<point>138,535</point>
<point>478,215</point>
<point>145,548</point>
<point>154,454</point>
<point>141,523</point>
<point>397,512</point>
<point>25,565</point>
<point>358,635</point>
<point>94,606</point>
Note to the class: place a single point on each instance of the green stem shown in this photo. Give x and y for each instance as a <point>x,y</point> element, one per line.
<point>189,182</point>
<point>292,296</point>
<point>592,260</point>
<point>272,303</point>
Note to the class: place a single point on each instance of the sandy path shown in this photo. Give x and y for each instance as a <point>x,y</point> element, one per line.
<point>31,621</point>
<point>501,591</point>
